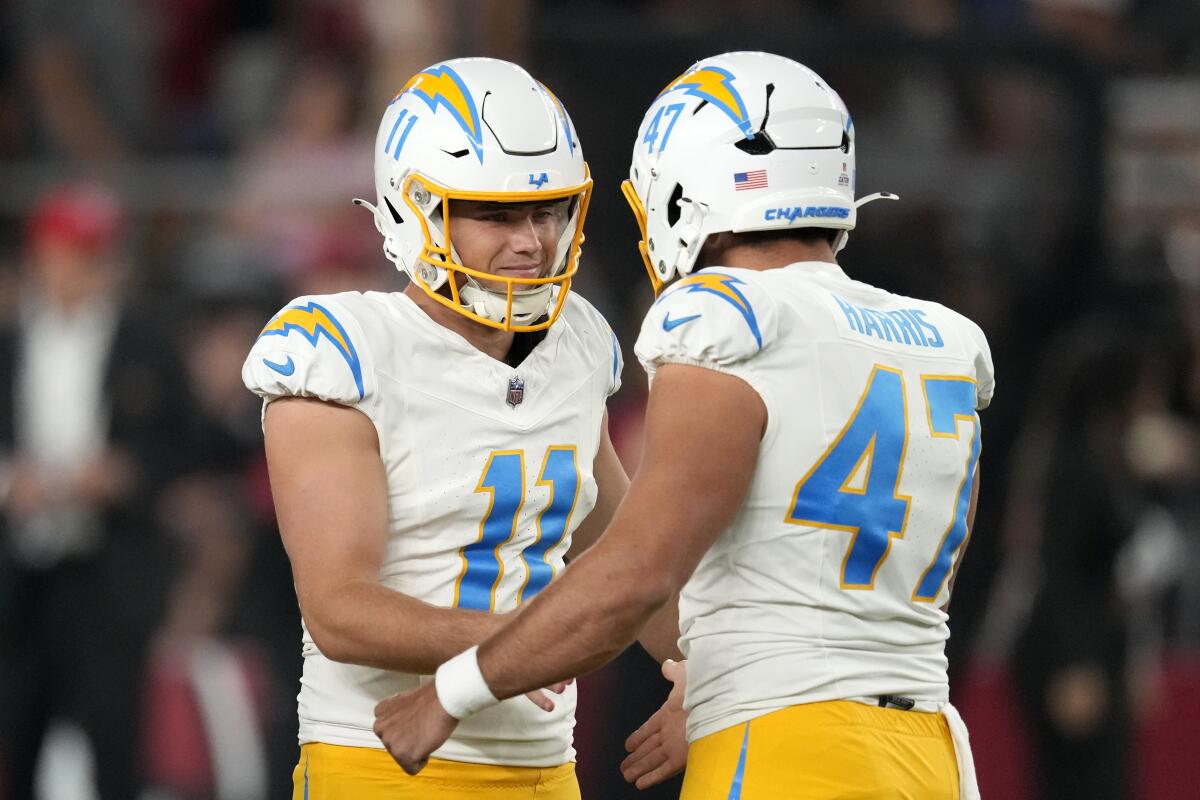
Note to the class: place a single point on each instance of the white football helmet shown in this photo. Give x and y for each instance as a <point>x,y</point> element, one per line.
<point>740,142</point>
<point>477,129</point>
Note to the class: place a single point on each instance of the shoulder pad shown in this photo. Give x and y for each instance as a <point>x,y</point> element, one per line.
<point>713,318</point>
<point>311,348</point>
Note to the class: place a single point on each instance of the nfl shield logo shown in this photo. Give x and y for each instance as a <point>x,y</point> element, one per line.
<point>516,391</point>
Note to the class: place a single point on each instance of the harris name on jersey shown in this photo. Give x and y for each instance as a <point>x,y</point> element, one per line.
<point>904,325</point>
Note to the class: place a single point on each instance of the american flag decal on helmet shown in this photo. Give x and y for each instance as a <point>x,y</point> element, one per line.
<point>516,391</point>
<point>754,179</point>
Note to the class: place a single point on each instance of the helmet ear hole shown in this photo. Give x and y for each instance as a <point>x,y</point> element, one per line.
<point>673,210</point>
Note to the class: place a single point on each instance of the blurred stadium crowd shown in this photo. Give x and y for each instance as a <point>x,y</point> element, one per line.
<point>172,171</point>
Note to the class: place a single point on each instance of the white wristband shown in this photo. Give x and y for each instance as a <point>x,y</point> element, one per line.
<point>461,689</point>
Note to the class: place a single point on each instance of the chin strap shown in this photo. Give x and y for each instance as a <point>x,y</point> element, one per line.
<point>526,308</point>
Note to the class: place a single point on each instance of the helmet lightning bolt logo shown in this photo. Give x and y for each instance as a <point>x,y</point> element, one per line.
<point>443,86</point>
<point>312,321</point>
<point>723,286</point>
<point>716,86</point>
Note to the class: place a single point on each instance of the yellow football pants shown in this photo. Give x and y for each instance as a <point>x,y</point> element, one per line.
<point>334,772</point>
<point>820,751</point>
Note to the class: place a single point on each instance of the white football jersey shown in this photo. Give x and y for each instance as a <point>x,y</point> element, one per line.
<point>489,471</point>
<point>829,584</point>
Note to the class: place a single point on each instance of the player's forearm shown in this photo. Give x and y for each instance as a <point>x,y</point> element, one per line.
<point>611,483</point>
<point>660,634</point>
<point>651,548</point>
<point>368,624</point>
<point>581,624</point>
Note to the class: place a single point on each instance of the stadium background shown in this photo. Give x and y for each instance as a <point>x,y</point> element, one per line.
<point>1047,153</point>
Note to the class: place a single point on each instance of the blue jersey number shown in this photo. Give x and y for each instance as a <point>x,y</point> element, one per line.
<point>855,485</point>
<point>950,401</point>
<point>673,111</point>
<point>503,479</point>
<point>869,451</point>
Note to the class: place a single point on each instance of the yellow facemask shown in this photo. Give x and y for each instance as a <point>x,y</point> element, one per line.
<point>421,194</point>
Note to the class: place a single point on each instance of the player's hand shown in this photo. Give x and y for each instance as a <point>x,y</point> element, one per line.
<point>413,725</point>
<point>659,748</point>
<point>544,701</point>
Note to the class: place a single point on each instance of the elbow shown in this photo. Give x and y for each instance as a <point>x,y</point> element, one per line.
<point>331,644</point>
<point>332,618</point>
<point>325,624</point>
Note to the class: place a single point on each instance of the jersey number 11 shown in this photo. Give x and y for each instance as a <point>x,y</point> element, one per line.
<point>503,479</point>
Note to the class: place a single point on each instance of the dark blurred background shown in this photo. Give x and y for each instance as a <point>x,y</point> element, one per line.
<point>171,171</point>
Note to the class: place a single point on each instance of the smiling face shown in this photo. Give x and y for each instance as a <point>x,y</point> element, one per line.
<point>512,240</point>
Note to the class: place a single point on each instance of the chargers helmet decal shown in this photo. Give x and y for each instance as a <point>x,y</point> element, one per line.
<point>714,85</point>
<point>441,85</point>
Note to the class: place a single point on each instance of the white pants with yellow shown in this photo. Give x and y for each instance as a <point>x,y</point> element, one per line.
<point>842,749</point>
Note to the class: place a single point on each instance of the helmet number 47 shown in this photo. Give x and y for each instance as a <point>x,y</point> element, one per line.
<point>673,111</point>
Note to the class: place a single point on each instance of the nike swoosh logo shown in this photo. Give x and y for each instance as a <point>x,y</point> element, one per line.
<point>286,368</point>
<point>671,324</point>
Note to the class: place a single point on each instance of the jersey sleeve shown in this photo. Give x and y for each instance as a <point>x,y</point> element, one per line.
<point>711,319</point>
<point>985,374</point>
<point>314,347</point>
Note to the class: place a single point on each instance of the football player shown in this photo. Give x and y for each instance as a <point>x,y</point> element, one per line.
<point>808,480</point>
<point>436,454</point>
